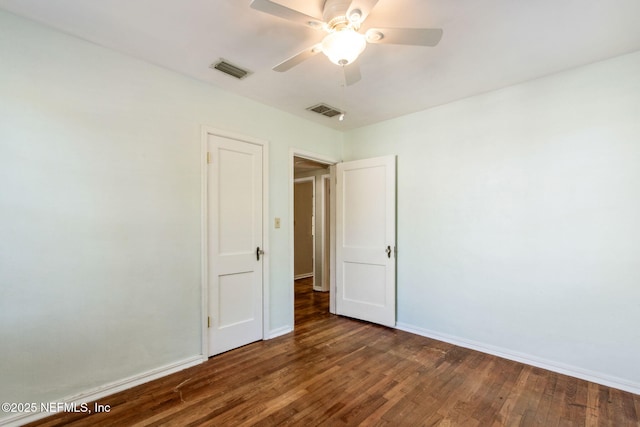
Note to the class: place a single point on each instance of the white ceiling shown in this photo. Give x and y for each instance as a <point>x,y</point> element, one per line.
<point>487,44</point>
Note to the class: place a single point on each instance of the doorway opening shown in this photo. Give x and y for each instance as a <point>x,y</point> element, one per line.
<point>362,237</point>
<point>311,233</point>
<point>305,228</point>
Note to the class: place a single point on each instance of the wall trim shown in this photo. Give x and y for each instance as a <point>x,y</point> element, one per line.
<point>561,368</point>
<point>96,393</point>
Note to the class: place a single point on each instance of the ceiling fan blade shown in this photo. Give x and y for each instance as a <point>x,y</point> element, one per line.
<point>411,36</point>
<point>284,12</point>
<point>364,6</point>
<point>298,58</point>
<point>352,73</point>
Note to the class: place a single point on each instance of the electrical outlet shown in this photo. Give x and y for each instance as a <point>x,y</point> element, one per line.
<point>277,222</point>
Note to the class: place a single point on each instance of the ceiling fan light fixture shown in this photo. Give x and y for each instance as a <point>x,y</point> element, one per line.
<point>344,46</point>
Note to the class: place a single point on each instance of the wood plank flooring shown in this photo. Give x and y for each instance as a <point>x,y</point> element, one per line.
<point>334,371</point>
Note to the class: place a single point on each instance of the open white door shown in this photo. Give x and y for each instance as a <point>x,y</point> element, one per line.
<point>366,239</point>
<point>235,261</point>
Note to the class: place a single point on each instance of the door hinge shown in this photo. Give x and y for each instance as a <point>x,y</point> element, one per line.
<point>208,157</point>
<point>208,321</point>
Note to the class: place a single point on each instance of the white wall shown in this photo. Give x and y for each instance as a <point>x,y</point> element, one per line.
<point>100,210</point>
<point>519,219</point>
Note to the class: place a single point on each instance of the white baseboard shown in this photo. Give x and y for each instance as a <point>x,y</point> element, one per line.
<point>280,331</point>
<point>94,394</point>
<point>303,276</point>
<point>561,368</point>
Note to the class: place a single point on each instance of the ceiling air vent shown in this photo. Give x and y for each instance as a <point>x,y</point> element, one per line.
<point>325,110</point>
<point>230,69</point>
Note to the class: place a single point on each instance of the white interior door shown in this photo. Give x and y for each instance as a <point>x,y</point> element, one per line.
<point>366,239</point>
<point>234,243</point>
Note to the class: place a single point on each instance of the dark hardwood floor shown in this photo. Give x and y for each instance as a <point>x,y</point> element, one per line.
<point>336,371</point>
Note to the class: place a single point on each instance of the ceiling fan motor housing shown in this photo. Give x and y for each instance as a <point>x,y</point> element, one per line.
<point>334,9</point>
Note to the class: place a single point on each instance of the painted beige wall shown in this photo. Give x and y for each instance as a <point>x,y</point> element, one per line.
<point>303,228</point>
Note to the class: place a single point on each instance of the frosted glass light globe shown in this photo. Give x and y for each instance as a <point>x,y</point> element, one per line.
<point>343,47</point>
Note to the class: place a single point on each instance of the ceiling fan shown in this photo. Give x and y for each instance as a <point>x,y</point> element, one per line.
<point>342,20</point>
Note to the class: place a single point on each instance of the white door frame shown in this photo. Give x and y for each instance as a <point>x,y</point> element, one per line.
<point>313,222</point>
<point>204,236</point>
<point>324,179</point>
<point>295,152</point>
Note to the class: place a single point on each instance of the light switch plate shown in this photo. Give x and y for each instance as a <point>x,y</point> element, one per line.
<point>277,222</point>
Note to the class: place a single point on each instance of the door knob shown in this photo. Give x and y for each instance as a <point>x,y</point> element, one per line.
<point>259,252</point>
<point>388,251</point>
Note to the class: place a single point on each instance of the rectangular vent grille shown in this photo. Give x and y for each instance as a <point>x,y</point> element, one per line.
<point>230,69</point>
<point>325,110</point>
